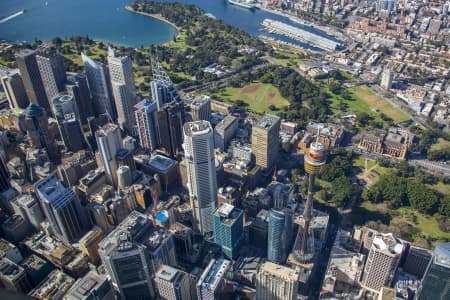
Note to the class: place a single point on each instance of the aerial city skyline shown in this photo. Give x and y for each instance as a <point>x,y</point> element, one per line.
<point>301,156</point>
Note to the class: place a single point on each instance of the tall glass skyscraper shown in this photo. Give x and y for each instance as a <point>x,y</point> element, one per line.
<point>109,142</point>
<point>201,171</point>
<point>100,86</point>
<point>146,122</point>
<point>61,207</point>
<point>67,115</point>
<point>228,223</point>
<point>436,281</point>
<point>280,235</point>
<point>123,88</point>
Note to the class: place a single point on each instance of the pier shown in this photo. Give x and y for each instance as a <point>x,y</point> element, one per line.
<point>6,19</point>
<point>300,35</point>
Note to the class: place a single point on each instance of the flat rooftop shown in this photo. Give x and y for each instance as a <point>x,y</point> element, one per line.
<point>225,123</point>
<point>167,273</point>
<point>200,100</point>
<point>136,229</point>
<point>228,213</point>
<point>267,121</point>
<point>105,129</point>
<point>214,273</point>
<point>83,287</point>
<point>282,272</point>
<point>161,163</point>
<point>197,128</point>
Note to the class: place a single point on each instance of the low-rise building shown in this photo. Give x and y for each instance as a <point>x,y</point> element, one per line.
<point>393,143</point>
<point>54,286</point>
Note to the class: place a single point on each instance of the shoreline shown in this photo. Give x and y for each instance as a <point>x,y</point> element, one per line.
<point>155,16</point>
<point>327,30</point>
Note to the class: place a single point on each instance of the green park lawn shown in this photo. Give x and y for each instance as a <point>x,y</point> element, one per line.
<point>258,96</point>
<point>427,225</point>
<point>366,100</point>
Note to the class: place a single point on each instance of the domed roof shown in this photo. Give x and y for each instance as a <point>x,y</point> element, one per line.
<point>34,110</point>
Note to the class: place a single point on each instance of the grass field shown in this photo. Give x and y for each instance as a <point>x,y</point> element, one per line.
<point>427,225</point>
<point>258,96</point>
<point>441,188</point>
<point>366,100</point>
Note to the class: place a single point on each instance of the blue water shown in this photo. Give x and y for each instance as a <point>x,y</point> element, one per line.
<point>107,20</point>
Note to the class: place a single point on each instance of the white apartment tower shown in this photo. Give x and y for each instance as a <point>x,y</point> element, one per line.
<point>109,141</point>
<point>386,79</point>
<point>123,89</point>
<point>382,262</point>
<point>201,172</point>
<point>275,282</point>
<point>174,284</point>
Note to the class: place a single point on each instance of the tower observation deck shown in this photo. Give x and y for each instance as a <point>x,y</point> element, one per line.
<point>314,161</point>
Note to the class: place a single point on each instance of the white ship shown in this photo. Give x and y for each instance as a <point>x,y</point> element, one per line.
<point>249,4</point>
<point>6,19</point>
<point>301,35</point>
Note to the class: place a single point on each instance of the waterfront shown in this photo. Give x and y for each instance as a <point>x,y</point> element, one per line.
<point>105,20</point>
<point>108,20</point>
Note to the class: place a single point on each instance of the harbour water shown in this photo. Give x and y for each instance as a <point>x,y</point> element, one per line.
<point>105,20</point>
<point>108,20</point>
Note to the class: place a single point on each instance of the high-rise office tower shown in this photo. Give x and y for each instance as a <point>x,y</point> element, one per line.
<point>29,208</point>
<point>36,123</point>
<point>265,141</point>
<point>279,235</point>
<point>387,76</point>
<point>228,222</point>
<point>100,86</point>
<point>92,286</point>
<point>224,132</point>
<point>132,254</point>
<point>124,177</point>
<point>124,91</point>
<point>15,90</point>
<point>13,277</point>
<point>146,118</point>
<point>77,87</point>
<point>382,262</point>
<point>436,281</point>
<point>31,78</point>
<point>160,93</point>
<point>162,83</point>
<point>4,175</point>
<point>314,161</point>
<point>276,282</point>
<point>170,127</point>
<point>51,67</point>
<point>109,142</point>
<point>201,108</point>
<point>61,207</point>
<point>66,113</point>
<point>174,284</point>
<point>163,93</point>
<point>212,281</point>
<point>201,173</point>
